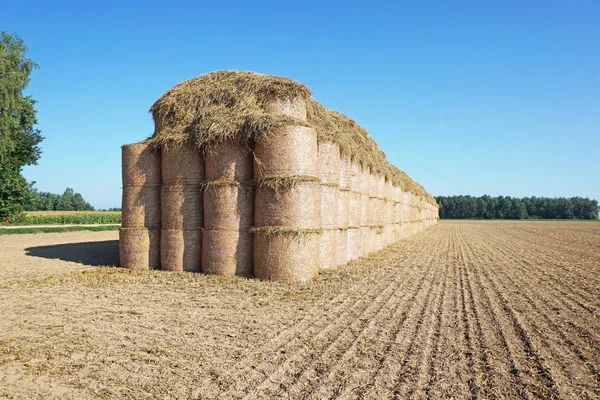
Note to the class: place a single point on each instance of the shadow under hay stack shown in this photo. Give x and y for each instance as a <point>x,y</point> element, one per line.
<point>247,175</point>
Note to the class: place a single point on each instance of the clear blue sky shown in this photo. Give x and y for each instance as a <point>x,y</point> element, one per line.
<point>467,97</point>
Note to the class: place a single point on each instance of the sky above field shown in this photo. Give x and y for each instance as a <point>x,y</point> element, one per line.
<point>467,97</point>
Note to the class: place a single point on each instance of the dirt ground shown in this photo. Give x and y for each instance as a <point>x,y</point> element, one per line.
<point>464,309</point>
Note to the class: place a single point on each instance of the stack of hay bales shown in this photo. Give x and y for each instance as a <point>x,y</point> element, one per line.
<point>227,244</point>
<point>288,198</point>
<point>247,175</point>
<point>139,236</point>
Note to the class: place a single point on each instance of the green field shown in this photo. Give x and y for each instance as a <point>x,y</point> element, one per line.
<point>66,217</point>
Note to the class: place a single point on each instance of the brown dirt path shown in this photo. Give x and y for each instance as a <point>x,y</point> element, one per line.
<point>465,309</point>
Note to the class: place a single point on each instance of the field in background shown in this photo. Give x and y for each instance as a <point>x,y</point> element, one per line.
<point>68,217</point>
<point>465,309</point>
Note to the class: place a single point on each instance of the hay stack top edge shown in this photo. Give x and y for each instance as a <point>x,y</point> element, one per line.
<point>229,105</point>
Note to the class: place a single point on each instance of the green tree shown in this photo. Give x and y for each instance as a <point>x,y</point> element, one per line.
<point>19,140</point>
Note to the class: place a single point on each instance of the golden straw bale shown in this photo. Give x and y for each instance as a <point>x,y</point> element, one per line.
<point>182,164</point>
<point>140,164</point>
<point>329,162</point>
<point>342,247</point>
<point>329,206</point>
<point>139,248</point>
<point>345,173</point>
<point>286,258</point>
<point>328,248</point>
<point>354,244</point>
<point>181,250</point>
<point>227,252</point>
<point>354,209</point>
<point>181,207</point>
<point>343,208</point>
<point>228,207</point>
<point>298,206</point>
<point>141,206</point>
<point>229,161</point>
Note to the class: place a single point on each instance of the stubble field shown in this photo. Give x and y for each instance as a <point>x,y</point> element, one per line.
<point>464,309</point>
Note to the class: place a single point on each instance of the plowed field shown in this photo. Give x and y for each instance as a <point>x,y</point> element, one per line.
<point>464,309</point>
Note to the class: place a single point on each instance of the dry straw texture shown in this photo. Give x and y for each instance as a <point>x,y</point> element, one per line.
<point>286,258</point>
<point>139,248</point>
<point>141,206</point>
<point>329,162</point>
<point>342,247</point>
<point>235,105</point>
<point>329,206</point>
<point>298,206</point>
<point>228,161</point>
<point>228,207</point>
<point>182,164</point>
<point>181,250</point>
<point>227,252</point>
<point>181,207</point>
<point>364,210</point>
<point>343,208</point>
<point>328,248</point>
<point>140,164</point>
<point>354,209</point>
<point>354,244</point>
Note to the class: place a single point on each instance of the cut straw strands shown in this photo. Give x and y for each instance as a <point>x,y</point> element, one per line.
<point>182,164</point>
<point>181,250</point>
<point>228,206</point>
<point>141,165</point>
<point>284,257</point>
<point>181,207</point>
<point>328,248</point>
<point>298,206</point>
<point>139,248</point>
<point>292,106</point>
<point>228,161</point>
<point>141,206</point>
<point>227,252</point>
<point>287,151</point>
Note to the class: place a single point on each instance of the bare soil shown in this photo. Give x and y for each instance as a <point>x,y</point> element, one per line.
<point>464,309</point>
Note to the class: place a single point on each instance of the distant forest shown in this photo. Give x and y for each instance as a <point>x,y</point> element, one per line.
<point>68,201</point>
<point>487,207</point>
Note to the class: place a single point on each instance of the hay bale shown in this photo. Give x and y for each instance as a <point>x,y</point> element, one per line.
<point>397,213</point>
<point>181,250</point>
<point>139,248</point>
<point>285,257</point>
<point>140,165</point>
<point>373,185</point>
<point>182,165</point>
<point>295,107</point>
<point>329,162</point>
<point>229,161</point>
<point>365,180</point>
<point>354,244</point>
<point>343,209</point>
<point>342,247</point>
<point>364,241</point>
<point>298,206</point>
<point>364,210</point>
<point>345,173</point>
<point>356,177</point>
<point>328,248</point>
<point>354,209</point>
<point>329,206</point>
<point>389,211</point>
<point>287,151</point>
<point>228,207</point>
<point>227,252</point>
<point>381,192</point>
<point>141,206</point>
<point>373,239</point>
<point>379,239</point>
<point>181,207</point>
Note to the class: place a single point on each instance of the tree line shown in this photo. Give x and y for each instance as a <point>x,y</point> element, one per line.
<point>68,201</point>
<point>500,207</point>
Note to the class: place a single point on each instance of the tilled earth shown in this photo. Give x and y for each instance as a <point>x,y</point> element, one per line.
<point>464,310</point>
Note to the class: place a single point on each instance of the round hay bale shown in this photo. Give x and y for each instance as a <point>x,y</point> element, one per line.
<point>364,209</point>
<point>287,151</point>
<point>286,258</point>
<point>181,250</point>
<point>140,165</point>
<point>227,252</point>
<point>181,207</point>
<point>295,107</point>
<point>356,177</point>
<point>397,213</point>
<point>329,162</point>
<point>298,206</point>
<point>354,210</point>
<point>389,190</point>
<point>381,192</point>
<point>345,173</point>
<point>379,239</point>
<point>342,247</point>
<point>329,206</point>
<point>228,161</point>
<point>183,165</point>
<point>141,206</point>
<point>373,238</point>
<point>364,241</point>
<point>343,208</point>
<point>228,207</point>
<point>354,244</point>
<point>139,248</point>
<point>389,213</point>
<point>328,248</point>
<point>365,180</point>
<point>372,185</point>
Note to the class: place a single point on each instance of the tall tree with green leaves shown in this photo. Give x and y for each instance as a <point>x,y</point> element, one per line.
<point>19,140</point>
